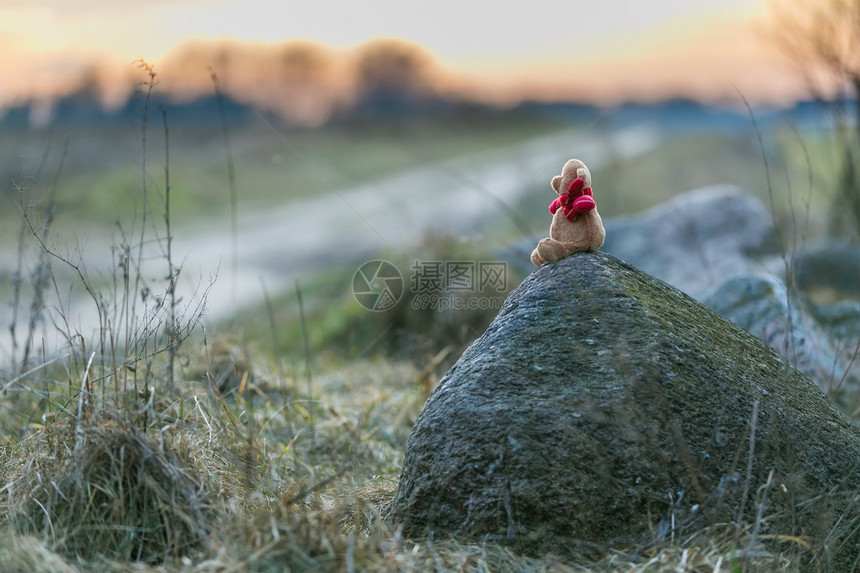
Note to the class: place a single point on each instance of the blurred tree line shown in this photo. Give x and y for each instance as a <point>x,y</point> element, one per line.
<point>823,38</point>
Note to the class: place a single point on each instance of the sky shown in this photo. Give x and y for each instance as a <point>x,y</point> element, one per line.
<point>602,50</point>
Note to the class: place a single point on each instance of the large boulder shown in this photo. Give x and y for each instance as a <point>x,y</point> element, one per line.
<point>604,407</point>
<point>719,245</point>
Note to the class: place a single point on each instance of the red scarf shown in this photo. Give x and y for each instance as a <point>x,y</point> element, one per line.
<point>569,204</point>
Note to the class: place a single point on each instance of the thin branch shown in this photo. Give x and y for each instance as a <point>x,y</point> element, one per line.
<point>231,181</point>
<point>172,272</point>
<point>307,348</point>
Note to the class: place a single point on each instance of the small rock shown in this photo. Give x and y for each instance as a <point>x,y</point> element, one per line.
<point>828,271</point>
<point>762,306</point>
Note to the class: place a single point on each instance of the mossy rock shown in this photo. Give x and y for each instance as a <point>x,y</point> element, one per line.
<point>604,408</point>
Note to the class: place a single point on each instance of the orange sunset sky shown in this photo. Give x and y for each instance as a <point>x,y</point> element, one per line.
<point>603,51</point>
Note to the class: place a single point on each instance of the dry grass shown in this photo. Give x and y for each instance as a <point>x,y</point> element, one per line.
<point>251,481</point>
<point>20,553</point>
<point>115,494</point>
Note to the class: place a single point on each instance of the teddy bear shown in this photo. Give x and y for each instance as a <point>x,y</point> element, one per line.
<point>576,225</point>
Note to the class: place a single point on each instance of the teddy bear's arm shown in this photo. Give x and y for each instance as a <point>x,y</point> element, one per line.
<point>584,204</point>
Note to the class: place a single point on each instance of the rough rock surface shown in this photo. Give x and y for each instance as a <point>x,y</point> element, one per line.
<point>762,306</point>
<point>604,407</point>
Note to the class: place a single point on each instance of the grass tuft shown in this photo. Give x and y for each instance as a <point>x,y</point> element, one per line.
<point>120,495</point>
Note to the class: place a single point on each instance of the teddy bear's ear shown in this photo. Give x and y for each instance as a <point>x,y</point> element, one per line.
<point>585,174</point>
<point>556,181</point>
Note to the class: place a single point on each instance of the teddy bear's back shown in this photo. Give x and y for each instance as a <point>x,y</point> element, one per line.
<point>585,233</point>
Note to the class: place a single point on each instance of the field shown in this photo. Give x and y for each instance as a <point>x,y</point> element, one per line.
<point>271,438</point>
<point>101,177</point>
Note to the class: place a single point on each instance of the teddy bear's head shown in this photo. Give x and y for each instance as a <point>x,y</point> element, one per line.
<point>571,170</point>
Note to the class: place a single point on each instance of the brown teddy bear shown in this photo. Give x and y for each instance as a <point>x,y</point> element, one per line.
<point>576,225</point>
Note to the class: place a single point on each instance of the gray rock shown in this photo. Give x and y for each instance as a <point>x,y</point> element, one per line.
<point>841,320</point>
<point>696,240</point>
<point>604,407</point>
<point>829,268</point>
<point>762,306</point>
